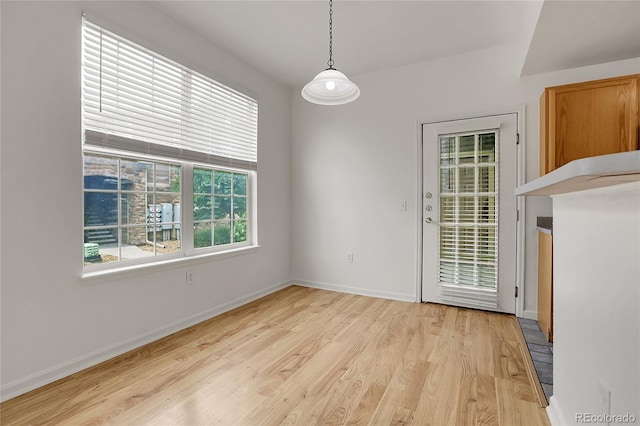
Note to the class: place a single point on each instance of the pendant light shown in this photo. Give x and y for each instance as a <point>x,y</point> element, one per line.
<point>330,87</point>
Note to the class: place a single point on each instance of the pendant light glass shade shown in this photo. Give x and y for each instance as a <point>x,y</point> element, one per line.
<point>330,87</point>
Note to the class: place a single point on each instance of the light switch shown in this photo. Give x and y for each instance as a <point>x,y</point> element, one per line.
<point>403,206</point>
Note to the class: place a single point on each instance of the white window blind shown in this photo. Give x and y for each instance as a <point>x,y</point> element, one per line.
<point>139,101</point>
<point>468,253</point>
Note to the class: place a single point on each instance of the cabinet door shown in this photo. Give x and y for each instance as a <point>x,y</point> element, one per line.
<point>588,119</point>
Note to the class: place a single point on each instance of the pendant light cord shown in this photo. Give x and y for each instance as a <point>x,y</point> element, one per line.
<point>330,61</point>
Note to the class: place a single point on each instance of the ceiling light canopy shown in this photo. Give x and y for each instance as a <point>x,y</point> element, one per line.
<point>330,87</point>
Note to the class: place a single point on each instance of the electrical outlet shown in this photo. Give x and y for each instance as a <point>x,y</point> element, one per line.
<point>189,278</point>
<point>604,395</point>
<point>349,257</point>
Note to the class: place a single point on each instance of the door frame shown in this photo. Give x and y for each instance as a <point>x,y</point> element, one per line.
<point>520,201</point>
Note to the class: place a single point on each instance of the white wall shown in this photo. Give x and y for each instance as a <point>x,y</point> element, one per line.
<point>596,258</point>
<point>52,322</point>
<point>354,164</point>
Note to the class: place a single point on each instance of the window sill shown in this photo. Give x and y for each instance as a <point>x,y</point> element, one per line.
<point>112,274</point>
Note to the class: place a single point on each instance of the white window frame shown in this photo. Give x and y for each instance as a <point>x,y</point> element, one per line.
<point>116,146</point>
<point>188,251</point>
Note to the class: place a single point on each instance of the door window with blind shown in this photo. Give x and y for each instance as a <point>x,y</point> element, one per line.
<point>170,157</point>
<point>468,253</point>
<point>469,231</point>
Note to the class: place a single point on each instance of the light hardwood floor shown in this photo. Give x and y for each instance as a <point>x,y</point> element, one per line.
<point>305,356</point>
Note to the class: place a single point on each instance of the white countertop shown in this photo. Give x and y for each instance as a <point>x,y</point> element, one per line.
<point>586,173</point>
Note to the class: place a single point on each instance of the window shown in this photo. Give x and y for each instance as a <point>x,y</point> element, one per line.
<point>131,208</point>
<point>468,252</point>
<point>219,207</point>
<point>165,150</point>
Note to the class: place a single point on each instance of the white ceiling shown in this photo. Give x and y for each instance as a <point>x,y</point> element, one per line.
<point>288,40</point>
<point>573,34</point>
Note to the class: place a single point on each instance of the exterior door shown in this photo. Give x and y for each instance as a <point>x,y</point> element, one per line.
<point>469,213</point>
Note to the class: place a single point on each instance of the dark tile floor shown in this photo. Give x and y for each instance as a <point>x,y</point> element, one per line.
<point>541,353</point>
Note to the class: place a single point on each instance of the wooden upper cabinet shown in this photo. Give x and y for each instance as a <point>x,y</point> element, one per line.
<point>588,119</point>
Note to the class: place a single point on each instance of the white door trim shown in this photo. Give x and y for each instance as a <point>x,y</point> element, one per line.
<point>520,202</point>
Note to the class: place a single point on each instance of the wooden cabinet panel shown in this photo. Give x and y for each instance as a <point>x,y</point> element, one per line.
<point>588,119</point>
<point>545,284</point>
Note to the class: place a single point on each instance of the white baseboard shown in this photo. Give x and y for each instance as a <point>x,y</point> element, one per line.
<point>49,375</point>
<point>529,314</point>
<point>555,418</point>
<point>356,290</point>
